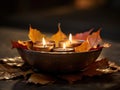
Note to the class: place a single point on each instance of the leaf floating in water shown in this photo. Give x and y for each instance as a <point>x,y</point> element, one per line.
<point>59,36</point>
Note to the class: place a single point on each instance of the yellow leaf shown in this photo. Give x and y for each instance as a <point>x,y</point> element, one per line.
<point>84,47</point>
<point>59,36</point>
<point>35,35</point>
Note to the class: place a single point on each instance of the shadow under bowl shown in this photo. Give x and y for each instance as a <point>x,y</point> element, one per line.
<point>59,62</point>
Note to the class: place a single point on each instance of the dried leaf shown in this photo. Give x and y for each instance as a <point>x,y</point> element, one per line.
<point>59,36</point>
<point>91,70</point>
<point>71,78</point>
<point>35,35</point>
<point>8,72</point>
<point>16,61</point>
<point>84,47</point>
<point>94,39</point>
<point>42,79</point>
<point>82,36</point>
<point>16,44</point>
<point>22,44</point>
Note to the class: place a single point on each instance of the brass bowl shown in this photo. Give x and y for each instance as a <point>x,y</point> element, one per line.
<point>59,62</point>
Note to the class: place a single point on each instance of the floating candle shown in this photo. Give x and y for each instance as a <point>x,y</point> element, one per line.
<point>63,49</point>
<point>70,42</point>
<point>43,45</point>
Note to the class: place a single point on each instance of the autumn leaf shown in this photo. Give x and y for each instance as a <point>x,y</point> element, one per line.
<point>84,47</point>
<point>92,69</point>
<point>71,78</point>
<point>16,44</point>
<point>95,39</point>
<point>22,44</point>
<point>40,79</point>
<point>8,72</point>
<point>82,36</point>
<point>59,36</point>
<point>35,35</point>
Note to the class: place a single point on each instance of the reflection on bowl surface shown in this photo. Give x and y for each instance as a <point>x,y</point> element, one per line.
<point>59,62</point>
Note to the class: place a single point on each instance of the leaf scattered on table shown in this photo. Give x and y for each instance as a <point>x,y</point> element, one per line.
<point>16,61</point>
<point>91,70</point>
<point>71,78</point>
<point>8,72</point>
<point>97,68</point>
<point>42,79</point>
<point>59,36</point>
<point>35,35</point>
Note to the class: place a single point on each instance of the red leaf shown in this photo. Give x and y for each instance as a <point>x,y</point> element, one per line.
<point>94,39</point>
<point>82,36</point>
<point>16,44</point>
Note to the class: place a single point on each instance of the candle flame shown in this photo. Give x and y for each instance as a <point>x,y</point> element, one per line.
<point>70,37</point>
<point>64,46</point>
<point>43,41</point>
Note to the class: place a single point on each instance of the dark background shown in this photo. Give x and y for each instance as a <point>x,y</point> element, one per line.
<point>74,15</point>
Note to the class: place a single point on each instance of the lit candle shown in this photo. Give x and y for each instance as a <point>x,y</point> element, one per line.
<point>70,38</point>
<point>70,42</point>
<point>44,42</point>
<point>43,45</point>
<point>63,49</point>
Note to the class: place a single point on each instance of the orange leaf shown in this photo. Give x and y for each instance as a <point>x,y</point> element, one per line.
<point>59,36</point>
<point>84,47</point>
<point>35,35</point>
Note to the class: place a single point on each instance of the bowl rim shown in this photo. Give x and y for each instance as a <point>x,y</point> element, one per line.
<point>62,53</point>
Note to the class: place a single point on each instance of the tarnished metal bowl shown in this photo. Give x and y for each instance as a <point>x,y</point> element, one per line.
<point>59,62</point>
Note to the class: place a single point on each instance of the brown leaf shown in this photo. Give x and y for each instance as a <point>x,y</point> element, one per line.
<point>94,39</point>
<point>42,79</point>
<point>16,61</point>
<point>8,72</point>
<point>35,35</point>
<point>71,78</point>
<point>91,70</point>
<point>59,36</point>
